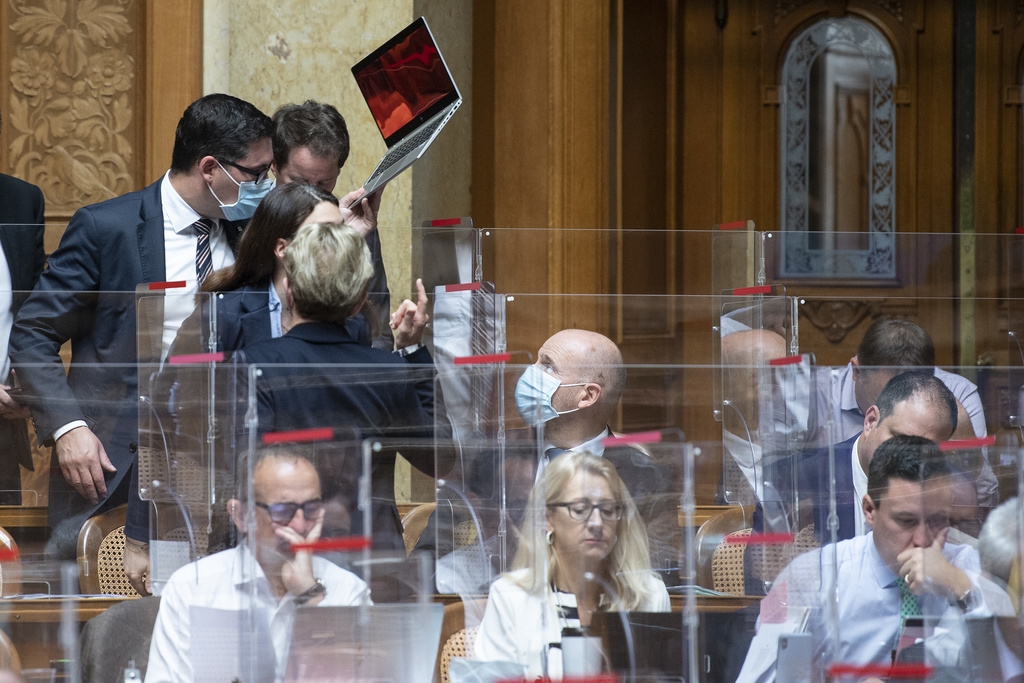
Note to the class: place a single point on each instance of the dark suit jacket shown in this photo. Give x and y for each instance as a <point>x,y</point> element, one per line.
<point>812,480</point>
<point>87,297</point>
<point>21,212</point>
<point>347,384</point>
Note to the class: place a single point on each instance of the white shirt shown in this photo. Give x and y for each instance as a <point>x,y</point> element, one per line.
<point>519,625</point>
<point>275,312</point>
<point>860,489</point>
<point>232,580</point>
<point>180,256</point>
<point>747,456</point>
<point>6,317</point>
<point>868,608</point>
<point>850,419</point>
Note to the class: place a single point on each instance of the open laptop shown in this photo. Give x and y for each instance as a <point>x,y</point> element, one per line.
<point>411,94</point>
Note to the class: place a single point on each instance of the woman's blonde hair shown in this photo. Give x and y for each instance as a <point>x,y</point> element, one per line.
<point>328,267</point>
<point>627,566</point>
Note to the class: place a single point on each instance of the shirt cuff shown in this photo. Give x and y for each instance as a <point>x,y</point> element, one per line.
<point>68,427</point>
<point>408,350</point>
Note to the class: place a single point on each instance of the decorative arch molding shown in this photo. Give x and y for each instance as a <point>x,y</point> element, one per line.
<point>801,259</point>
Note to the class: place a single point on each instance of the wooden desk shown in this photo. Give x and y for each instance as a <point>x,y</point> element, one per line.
<point>23,516</point>
<point>702,513</point>
<point>34,624</point>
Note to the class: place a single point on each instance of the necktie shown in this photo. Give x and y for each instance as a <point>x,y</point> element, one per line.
<point>204,259</point>
<point>909,606</point>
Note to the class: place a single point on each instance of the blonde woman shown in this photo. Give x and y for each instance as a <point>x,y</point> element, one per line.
<point>594,553</point>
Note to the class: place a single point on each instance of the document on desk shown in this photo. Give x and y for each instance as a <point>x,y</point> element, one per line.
<point>229,645</point>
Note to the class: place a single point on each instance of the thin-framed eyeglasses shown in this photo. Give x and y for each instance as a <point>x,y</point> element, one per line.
<point>282,513</point>
<point>258,174</point>
<point>580,510</point>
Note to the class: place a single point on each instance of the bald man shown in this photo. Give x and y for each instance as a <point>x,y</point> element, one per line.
<point>745,357</point>
<point>573,389</point>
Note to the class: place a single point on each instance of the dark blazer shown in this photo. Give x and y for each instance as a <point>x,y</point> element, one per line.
<point>87,297</point>
<point>21,213</point>
<point>812,480</point>
<point>347,384</point>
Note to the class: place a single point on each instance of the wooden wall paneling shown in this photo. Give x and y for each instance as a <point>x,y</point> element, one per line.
<point>551,170</point>
<point>989,130</point>
<point>174,75</point>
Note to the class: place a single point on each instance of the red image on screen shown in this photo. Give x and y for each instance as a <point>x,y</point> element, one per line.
<point>404,82</point>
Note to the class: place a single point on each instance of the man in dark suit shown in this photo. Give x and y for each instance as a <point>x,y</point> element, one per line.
<point>21,241</point>
<point>311,145</point>
<point>911,404</point>
<point>178,228</point>
<point>319,375</point>
<point>574,389</point>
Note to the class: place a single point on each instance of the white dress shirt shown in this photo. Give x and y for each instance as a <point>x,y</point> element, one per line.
<point>867,612</point>
<point>519,625</point>
<point>232,580</point>
<point>180,240</point>
<point>860,489</point>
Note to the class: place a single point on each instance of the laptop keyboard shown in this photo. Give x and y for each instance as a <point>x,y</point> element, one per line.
<point>399,151</point>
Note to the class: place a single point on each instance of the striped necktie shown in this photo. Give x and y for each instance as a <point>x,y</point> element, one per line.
<point>204,259</point>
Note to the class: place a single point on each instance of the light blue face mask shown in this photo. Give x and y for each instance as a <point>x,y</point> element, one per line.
<point>533,396</point>
<point>249,197</point>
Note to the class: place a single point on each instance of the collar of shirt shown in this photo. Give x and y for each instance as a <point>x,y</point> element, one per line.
<point>594,446</point>
<point>860,488</point>
<point>844,390</point>
<point>274,302</point>
<point>879,569</point>
<point>178,215</point>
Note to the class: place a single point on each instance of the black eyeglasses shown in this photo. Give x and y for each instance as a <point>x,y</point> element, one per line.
<point>259,175</point>
<point>282,513</point>
<point>580,510</point>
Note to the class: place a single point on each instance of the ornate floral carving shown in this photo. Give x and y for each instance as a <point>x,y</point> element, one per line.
<point>70,103</point>
<point>837,318</point>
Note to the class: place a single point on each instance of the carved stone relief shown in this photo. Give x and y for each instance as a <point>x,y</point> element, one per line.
<point>70,115</point>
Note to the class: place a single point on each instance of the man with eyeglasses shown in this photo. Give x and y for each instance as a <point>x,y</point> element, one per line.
<point>311,145</point>
<point>286,510</point>
<point>179,228</point>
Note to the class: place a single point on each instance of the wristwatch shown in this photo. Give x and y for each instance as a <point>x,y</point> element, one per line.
<point>965,601</point>
<point>408,350</point>
<point>313,591</point>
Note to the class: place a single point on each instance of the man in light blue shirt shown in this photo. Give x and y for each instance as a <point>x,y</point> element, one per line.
<point>855,594</point>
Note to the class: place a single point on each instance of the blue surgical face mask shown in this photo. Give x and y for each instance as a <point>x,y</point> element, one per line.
<point>249,197</point>
<point>533,396</point>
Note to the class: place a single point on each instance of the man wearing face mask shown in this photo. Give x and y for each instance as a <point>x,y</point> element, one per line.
<point>573,390</point>
<point>179,228</point>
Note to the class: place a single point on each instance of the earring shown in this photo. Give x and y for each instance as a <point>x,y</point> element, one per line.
<point>549,537</point>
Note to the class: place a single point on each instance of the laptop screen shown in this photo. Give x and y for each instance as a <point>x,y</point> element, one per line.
<point>405,82</point>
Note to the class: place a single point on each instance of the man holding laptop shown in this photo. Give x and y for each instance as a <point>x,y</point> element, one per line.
<point>263,575</point>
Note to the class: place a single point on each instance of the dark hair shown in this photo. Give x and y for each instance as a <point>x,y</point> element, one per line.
<point>906,385</point>
<point>911,458</point>
<point>896,343</point>
<point>277,217</point>
<point>315,125</point>
<point>220,126</point>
